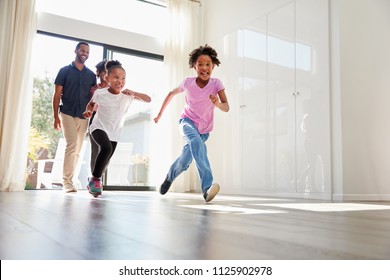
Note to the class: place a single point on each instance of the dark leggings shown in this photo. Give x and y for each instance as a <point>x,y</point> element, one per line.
<point>94,146</point>
<point>106,150</point>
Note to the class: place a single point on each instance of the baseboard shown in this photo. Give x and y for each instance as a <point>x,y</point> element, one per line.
<point>361,197</point>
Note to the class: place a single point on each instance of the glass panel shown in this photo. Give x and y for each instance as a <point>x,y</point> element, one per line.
<point>51,53</point>
<point>46,146</point>
<point>131,164</point>
<point>139,71</point>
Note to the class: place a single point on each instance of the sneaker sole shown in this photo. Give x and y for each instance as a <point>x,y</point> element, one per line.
<point>165,189</point>
<point>212,192</point>
<point>163,192</point>
<point>95,194</point>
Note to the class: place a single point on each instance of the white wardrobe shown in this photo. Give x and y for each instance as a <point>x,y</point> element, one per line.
<point>276,74</point>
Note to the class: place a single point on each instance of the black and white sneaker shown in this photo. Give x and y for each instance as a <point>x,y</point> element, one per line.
<point>165,186</point>
<point>211,192</point>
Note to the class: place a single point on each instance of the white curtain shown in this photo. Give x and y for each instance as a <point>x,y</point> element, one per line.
<point>17,31</point>
<point>184,35</point>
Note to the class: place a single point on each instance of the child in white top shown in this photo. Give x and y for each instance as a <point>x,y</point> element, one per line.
<point>109,119</point>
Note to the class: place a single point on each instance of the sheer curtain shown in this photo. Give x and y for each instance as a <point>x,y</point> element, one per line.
<point>185,32</point>
<point>17,31</point>
<point>184,35</point>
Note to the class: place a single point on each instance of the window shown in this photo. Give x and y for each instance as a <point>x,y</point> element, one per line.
<point>144,74</point>
<point>45,145</point>
<point>50,53</point>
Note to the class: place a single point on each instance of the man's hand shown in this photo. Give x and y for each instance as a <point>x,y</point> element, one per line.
<point>57,124</point>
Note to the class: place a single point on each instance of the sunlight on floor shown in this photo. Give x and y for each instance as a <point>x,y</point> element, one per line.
<point>328,207</point>
<point>229,209</point>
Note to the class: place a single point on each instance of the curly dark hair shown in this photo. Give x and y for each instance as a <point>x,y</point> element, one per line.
<point>112,64</point>
<point>203,50</point>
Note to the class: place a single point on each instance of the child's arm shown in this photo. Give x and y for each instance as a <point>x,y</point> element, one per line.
<point>89,109</point>
<point>167,99</point>
<point>139,96</point>
<point>221,102</point>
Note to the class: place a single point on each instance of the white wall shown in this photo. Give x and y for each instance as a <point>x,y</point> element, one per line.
<point>365,97</point>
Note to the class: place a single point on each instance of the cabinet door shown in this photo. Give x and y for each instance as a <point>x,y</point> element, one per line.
<point>312,86</point>
<point>281,98</point>
<point>255,152</point>
<point>226,158</point>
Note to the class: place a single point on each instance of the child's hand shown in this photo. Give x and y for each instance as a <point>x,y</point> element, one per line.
<point>87,114</point>
<point>156,119</point>
<point>214,99</point>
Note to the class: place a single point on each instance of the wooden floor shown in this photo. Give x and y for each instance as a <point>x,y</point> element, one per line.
<point>49,224</point>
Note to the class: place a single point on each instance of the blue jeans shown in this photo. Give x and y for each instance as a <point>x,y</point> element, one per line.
<point>195,148</point>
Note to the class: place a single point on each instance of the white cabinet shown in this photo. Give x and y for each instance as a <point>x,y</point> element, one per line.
<point>253,107</point>
<point>281,77</point>
<point>285,100</point>
<point>281,98</point>
<point>312,99</point>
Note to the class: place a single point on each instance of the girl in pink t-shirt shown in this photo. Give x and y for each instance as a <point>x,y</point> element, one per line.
<point>202,95</point>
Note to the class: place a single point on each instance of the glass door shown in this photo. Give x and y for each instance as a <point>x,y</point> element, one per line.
<point>130,165</point>
<point>46,145</point>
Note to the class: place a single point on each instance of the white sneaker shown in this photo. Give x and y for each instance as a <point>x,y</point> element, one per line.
<point>211,192</point>
<point>68,188</point>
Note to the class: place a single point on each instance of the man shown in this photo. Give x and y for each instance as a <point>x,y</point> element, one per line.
<point>71,96</point>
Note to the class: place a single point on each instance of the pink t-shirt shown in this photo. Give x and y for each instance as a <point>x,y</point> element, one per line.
<point>199,107</point>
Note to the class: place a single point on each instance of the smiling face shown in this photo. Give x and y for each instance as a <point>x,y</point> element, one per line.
<point>204,67</point>
<point>82,53</point>
<point>116,79</point>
